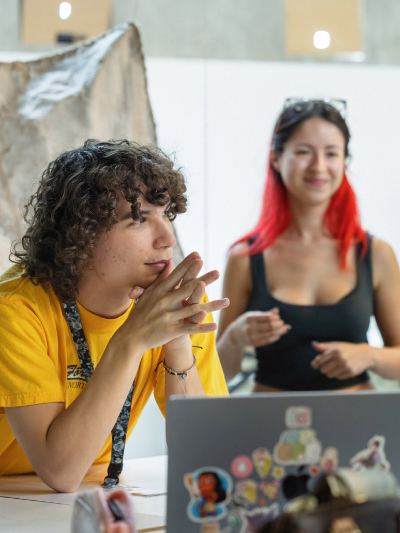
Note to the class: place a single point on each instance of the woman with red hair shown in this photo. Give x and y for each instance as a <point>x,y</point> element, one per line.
<point>305,282</point>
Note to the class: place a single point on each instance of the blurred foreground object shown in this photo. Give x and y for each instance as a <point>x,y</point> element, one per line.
<point>344,501</point>
<point>103,511</point>
<point>97,89</point>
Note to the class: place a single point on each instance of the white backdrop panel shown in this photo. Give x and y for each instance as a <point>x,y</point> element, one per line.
<point>219,115</point>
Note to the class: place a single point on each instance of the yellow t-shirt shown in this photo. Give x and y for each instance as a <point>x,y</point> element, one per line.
<point>39,362</point>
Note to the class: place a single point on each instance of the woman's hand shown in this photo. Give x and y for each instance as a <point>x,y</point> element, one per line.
<point>258,328</point>
<point>342,360</point>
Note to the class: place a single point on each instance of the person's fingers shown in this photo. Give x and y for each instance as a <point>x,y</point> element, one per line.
<point>263,339</point>
<point>193,271</point>
<point>262,322</point>
<point>321,346</point>
<point>344,375</point>
<point>262,316</point>
<point>210,277</point>
<point>136,292</point>
<point>210,307</point>
<point>164,274</point>
<point>323,358</point>
<point>191,329</point>
<point>332,368</point>
<point>269,328</point>
<point>197,294</point>
<point>197,319</point>
<point>179,273</point>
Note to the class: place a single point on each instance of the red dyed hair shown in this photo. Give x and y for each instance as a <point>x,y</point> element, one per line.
<point>341,218</point>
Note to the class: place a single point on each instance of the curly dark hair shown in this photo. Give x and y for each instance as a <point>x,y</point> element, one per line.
<point>77,199</point>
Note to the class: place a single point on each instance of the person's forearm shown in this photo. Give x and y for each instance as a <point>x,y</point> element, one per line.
<point>77,435</point>
<point>385,361</point>
<point>230,351</point>
<point>181,360</point>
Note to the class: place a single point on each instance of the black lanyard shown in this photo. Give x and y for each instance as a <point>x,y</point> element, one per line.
<point>120,428</point>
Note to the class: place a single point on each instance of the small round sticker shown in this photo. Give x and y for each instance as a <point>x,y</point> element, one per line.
<point>242,466</point>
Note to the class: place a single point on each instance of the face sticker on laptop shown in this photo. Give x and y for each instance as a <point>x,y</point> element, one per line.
<point>210,490</point>
<point>372,457</point>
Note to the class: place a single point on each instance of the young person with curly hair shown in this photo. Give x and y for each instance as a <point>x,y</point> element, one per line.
<point>305,282</point>
<point>94,317</point>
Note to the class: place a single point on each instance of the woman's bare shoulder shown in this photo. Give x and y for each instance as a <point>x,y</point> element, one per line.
<point>384,262</point>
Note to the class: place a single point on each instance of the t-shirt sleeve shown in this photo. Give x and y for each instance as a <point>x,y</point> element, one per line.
<point>28,376</point>
<point>208,365</point>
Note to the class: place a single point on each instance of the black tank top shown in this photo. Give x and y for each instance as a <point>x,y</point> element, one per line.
<point>286,364</point>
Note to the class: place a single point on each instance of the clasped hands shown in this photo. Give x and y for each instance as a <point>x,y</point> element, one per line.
<point>170,308</point>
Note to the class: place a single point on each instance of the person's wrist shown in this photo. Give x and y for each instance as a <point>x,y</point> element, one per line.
<point>179,358</point>
<point>372,356</point>
<point>235,333</point>
<point>128,344</point>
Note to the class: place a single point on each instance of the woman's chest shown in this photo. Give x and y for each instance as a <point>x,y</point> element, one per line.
<point>310,276</point>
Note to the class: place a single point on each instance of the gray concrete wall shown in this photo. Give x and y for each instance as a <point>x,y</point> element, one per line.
<point>222,29</point>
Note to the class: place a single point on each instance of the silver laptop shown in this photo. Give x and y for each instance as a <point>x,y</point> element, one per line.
<point>234,462</point>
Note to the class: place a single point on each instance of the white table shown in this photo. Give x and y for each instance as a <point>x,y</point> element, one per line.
<point>27,505</point>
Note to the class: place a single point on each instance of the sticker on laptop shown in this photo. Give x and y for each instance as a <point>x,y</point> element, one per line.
<point>329,459</point>
<point>262,460</point>
<point>210,490</point>
<point>257,517</point>
<point>372,457</point>
<point>242,466</point>
<point>298,445</point>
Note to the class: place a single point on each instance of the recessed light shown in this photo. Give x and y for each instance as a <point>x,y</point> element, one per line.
<point>322,39</point>
<point>64,10</point>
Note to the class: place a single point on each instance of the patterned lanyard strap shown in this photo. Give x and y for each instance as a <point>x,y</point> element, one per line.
<point>121,426</point>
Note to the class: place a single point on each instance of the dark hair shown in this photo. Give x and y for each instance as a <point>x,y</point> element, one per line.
<point>342,217</point>
<point>294,115</point>
<point>76,201</point>
<point>221,492</point>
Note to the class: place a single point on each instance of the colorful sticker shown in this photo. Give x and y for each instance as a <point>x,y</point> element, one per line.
<point>298,417</point>
<point>294,449</point>
<point>242,466</point>
<point>257,517</point>
<point>234,520</point>
<point>329,459</point>
<point>262,461</point>
<point>210,490</point>
<point>271,489</point>
<point>247,489</point>
<point>314,470</point>
<point>278,472</point>
<point>372,457</point>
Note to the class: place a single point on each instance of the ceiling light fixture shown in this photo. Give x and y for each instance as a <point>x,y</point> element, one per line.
<point>322,39</point>
<point>64,10</point>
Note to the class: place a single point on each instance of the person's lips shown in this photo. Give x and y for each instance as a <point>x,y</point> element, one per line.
<point>158,265</point>
<point>316,182</point>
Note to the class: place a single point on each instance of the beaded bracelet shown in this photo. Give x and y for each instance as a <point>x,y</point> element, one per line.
<point>184,374</point>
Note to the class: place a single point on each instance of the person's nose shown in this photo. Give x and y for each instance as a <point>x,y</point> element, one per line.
<point>164,237</point>
<point>319,162</point>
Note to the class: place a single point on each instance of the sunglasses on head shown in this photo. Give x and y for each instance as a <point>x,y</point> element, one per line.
<point>304,105</point>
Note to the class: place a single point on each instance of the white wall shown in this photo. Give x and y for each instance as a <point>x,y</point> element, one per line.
<point>218,116</point>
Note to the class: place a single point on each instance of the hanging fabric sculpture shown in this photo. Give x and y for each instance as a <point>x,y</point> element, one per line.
<point>97,89</point>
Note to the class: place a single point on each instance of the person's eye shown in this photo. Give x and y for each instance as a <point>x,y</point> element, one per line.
<point>333,154</point>
<point>302,152</point>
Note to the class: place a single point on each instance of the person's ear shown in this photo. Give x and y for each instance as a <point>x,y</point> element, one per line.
<point>275,161</point>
